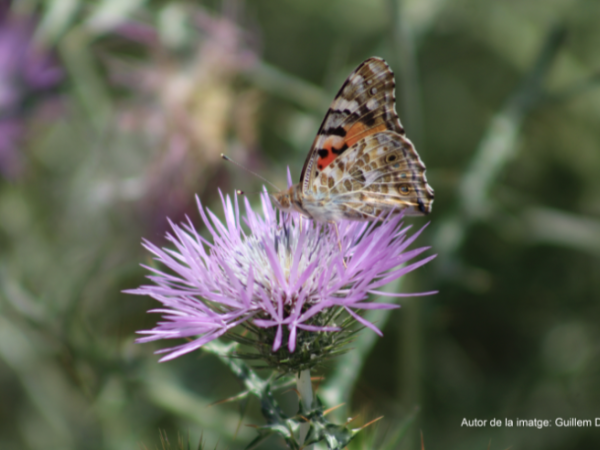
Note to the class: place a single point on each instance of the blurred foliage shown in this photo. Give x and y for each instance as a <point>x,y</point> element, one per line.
<point>137,100</point>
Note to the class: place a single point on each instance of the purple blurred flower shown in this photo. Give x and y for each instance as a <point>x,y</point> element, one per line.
<point>284,277</point>
<point>188,99</point>
<point>26,71</point>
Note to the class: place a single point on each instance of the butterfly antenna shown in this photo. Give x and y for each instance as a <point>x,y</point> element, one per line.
<point>227,158</point>
<point>240,192</point>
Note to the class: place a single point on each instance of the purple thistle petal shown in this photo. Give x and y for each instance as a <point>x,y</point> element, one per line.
<point>274,261</point>
<point>292,338</point>
<point>175,352</point>
<point>365,322</point>
<point>203,215</point>
<point>247,294</point>
<point>296,261</point>
<point>371,305</point>
<point>412,294</point>
<point>402,271</point>
<point>278,339</point>
<point>308,272</point>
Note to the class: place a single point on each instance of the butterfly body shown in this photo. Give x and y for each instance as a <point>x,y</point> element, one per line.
<point>361,164</point>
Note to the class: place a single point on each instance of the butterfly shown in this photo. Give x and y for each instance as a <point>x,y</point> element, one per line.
<point>361,165</point>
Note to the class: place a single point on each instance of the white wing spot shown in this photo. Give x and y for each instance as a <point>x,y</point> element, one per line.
<point>334,119</point>
<point>357,79</point>
<point>342,104</point>
<point>372,104</point>
<point>382,138</point>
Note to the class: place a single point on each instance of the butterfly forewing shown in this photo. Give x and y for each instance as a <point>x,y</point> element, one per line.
<point>364,105</point>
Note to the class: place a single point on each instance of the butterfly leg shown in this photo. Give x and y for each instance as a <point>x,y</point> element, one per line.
<point>337,233</point>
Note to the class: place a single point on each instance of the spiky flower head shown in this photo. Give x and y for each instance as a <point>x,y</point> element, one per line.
<point>282,278</point>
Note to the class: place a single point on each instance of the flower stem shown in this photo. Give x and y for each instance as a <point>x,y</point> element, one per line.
<point>304,387</point>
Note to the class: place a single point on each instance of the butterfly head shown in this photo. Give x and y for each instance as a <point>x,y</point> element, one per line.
<point>283,200</point>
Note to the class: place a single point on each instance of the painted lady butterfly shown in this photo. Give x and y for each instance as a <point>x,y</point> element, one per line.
<point>361,164</point>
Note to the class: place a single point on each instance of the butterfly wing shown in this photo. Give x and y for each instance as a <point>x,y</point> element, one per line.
<point>380,173</point>
<point>363,106</point>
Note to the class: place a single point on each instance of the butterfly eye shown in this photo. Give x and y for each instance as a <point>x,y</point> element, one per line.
<point>404,189</point>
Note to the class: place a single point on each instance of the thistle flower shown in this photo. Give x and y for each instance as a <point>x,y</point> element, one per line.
<point>286,281</point>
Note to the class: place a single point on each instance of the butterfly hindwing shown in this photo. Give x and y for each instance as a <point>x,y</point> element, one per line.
<point>363,106</point>
<point>379,173</point>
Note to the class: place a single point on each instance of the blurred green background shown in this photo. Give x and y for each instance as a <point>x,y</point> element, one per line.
<point>113,114</point>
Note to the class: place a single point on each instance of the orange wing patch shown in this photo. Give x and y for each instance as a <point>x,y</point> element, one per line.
<point>335,145</point>
<point>360,131</point>
<point>332,147</point>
